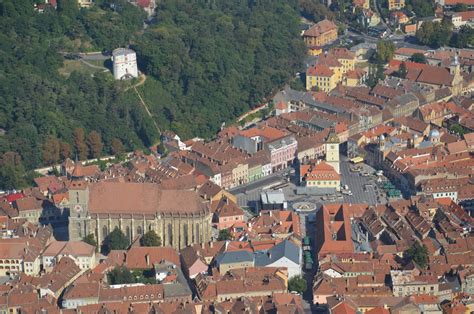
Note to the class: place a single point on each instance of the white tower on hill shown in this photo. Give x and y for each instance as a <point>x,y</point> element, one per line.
<point>332,150</point>
<point>125,63</point>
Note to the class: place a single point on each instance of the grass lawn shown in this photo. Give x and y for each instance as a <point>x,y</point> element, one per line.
<point>76,65</point>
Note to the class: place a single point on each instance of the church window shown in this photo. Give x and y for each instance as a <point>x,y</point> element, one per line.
<point>79,229</point>
<point>185,229</point>
<point>198,238</point>
<point>104,232</point>
<point>139,230</point>
<point>127,232</point>
<point>170,234</point>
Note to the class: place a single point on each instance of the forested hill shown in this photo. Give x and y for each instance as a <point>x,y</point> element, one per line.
<point>212,60</point>
<point>206,62</point>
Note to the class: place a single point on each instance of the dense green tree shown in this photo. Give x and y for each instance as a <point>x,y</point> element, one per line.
<point>51,150</point>
<point>458,129</point>
<point>120,275</point>
<point>90,239</point>
<point>422,8</point>
<point>208,62</point>
<point>94,142</point>
<point>418,58</point>
<point>12,172</point>
<point>80,144</point>
<point>36,101</point>
<point>463,38</point>
<point>146,276</point>
<point>298,84</point>
<point>162,150</point>
<point>117,146</point>
<point>314,10</point>
<point>224,235</point>
<point>297,284</point>
<point>65,150</point>
<point>385,51</point>
<point>150,238</point>
<point>418,254</point>
<point>117,240</point>
<point>435,34</point>
<point>376,73</point>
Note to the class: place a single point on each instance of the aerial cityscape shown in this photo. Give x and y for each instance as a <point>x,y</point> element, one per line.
<point>218,156</point>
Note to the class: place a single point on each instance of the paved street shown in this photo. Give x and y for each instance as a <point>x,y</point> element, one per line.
<point>364,189</point>
<point>307,229</point>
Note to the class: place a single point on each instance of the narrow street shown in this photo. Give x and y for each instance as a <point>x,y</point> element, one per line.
<point>308,229</point>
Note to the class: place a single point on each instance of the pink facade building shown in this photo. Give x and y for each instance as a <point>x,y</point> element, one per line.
<point>282,152</point>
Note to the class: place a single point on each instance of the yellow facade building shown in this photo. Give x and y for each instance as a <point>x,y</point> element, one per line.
<point>322,77</point>
<point>330,70</point>
<point>320,33</point>
<point>396,4</point>
<point>320,175</point>
<point>315,50</point>
<point>355,77</point>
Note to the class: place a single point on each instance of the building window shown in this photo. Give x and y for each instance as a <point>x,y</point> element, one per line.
<point>139,230</point>
<point>198,238</point>
<point>170,234</point>
<point>185,228</point>
<point>127,233</point>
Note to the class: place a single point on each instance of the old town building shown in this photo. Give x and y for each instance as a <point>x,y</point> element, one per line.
<point>320,33</point>
<point>179,217</point>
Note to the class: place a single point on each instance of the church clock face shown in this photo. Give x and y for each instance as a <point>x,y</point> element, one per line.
<point>332,146</point>
<point>77,208</point>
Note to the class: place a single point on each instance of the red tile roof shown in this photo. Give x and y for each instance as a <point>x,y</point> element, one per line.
<point>269,133</point>
<point>319,28</point>
<point>13,197</point>
<point>343,308</point>
<point>136,257</point>
<point>143,198</point>
<point>320,70</point>
<point>454,2</point>
<point>319,171</point>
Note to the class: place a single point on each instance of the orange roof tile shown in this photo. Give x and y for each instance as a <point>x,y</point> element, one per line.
<point>320,70</point>
<point>319,28</point>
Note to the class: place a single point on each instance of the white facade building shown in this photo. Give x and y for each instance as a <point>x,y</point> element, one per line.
<point>125,63</point>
